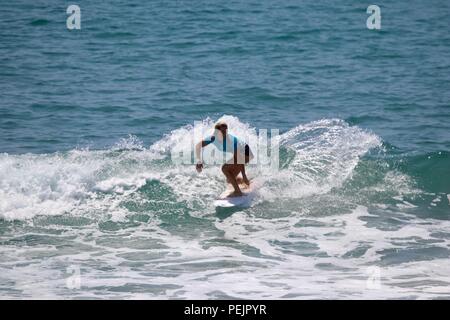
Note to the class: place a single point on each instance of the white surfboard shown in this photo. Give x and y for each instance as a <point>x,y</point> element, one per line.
<point>243,201</point>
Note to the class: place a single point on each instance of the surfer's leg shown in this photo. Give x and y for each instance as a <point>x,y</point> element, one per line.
<point>244,176</point>
<point>240,168</point>
<point>231,171</point>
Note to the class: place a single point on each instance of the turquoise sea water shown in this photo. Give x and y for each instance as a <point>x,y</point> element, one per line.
<point>88,118</point>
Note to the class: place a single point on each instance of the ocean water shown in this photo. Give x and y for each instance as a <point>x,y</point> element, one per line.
<point>91,205</point>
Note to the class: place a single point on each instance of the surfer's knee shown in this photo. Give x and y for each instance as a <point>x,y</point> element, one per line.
<point>225,169</point>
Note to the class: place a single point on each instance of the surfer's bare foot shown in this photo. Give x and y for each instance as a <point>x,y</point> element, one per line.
<point>246,181</point>
<point>235,194</point>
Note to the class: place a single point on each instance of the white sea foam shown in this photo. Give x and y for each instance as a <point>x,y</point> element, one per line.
<point>55,184</point>
<point>281,269</point>
<point>326,153</point>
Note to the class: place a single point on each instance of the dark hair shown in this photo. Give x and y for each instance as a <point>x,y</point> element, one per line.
<point>221,125</point>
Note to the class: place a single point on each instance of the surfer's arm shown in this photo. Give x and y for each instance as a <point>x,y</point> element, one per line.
<point>198,152</point>
<point>199,146</point>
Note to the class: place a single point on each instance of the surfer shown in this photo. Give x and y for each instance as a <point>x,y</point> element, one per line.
<point>228,143</point>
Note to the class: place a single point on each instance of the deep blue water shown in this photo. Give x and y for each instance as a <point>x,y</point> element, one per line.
<point>88,118</point>
<point>147,68</point>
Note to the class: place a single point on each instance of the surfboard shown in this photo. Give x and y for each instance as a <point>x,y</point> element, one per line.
<point>243,201</point>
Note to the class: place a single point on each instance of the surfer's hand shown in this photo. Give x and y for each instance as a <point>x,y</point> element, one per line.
<point>199,167</point>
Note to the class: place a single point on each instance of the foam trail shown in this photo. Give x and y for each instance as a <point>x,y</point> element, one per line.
<point>74,182</point>
<point>325,154</point>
